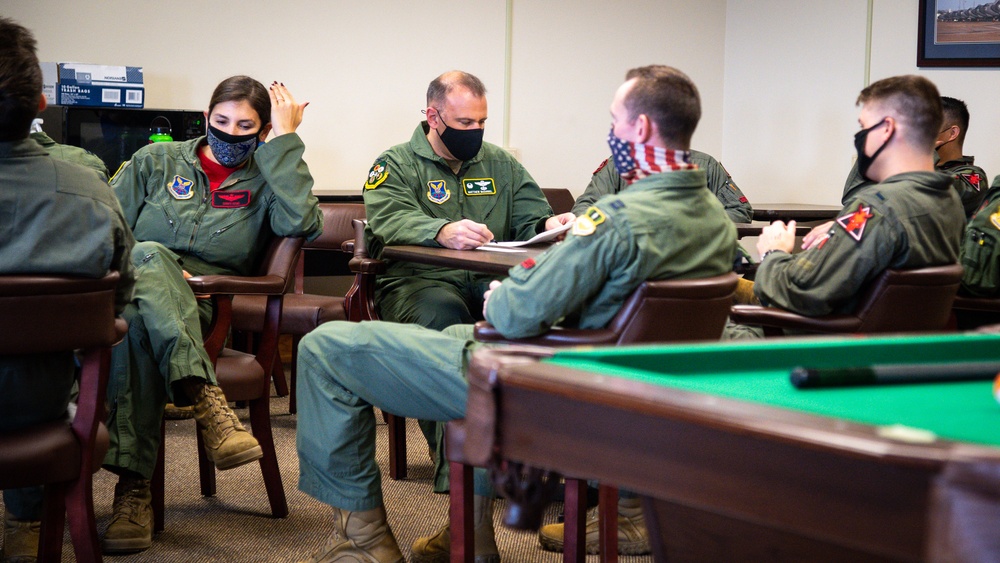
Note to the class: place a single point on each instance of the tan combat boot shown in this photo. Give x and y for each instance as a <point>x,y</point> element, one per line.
<point>359,537</point>
<point>632,536</point>
<point>227,443</point>
<point>437,548</point>
<point>20,540</point>
<point>131,527</point>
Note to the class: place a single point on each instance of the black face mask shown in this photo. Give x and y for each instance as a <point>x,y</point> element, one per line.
<point>865,161</point>
<point>463,144</point>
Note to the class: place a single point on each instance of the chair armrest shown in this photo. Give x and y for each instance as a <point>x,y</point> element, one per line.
<point>982,304</point>
<point>367,266</point>
<point>772,316</point>
<point>555,337</point>
<point>235,285</point>
<point>347,246</point>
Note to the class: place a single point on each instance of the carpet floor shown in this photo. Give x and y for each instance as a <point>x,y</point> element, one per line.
<point>236,524</point>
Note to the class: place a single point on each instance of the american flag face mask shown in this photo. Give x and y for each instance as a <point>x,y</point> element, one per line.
<point>635,161</point>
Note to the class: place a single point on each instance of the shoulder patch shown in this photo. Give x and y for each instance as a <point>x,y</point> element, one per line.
<point>586,224</point>
<point>995,218</point>
<point>973,179</point>
<point>854,222</point>
<point>617,204</point>
<point>479,186</point>
<point>600,167</point>
<point>438,192</point>
<point>378,174</point>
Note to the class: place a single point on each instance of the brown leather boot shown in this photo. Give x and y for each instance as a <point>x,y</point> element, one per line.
<point>20,540</point>
<point>437,548</point>
<point>227,442</point>
<point>359,537</point>
<point>632,536</point>
<point>131,527</point>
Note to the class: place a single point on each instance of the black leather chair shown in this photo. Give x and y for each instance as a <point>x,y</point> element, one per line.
<point>47,315</point>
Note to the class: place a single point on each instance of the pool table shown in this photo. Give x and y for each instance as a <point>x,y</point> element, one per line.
<point>735,464</point>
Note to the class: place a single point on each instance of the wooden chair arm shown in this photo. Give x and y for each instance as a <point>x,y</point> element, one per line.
<point>238,285</point>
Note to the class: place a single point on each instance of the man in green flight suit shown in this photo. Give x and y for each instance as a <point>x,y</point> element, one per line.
<point>665,225</point>
<point>606,180</point>
<point>56,218</point>
<point>447,188</point>
<point>909,216</point>
<point>970,180</point>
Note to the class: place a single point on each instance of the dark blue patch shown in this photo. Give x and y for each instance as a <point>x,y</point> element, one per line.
<point>617,204</point>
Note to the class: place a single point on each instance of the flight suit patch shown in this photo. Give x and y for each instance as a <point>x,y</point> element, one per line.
<point>617,204</point>
<point>854,223</point>
<point>180,188</point>
<point>230,200</point>
<point>377,175</point>
<point>587,223</point>
<point>601,167</point>
<point>995,218</point>
<point>438,192</point>
<point>479,186</point>
<point>528,263</point>
<point>973,180</point>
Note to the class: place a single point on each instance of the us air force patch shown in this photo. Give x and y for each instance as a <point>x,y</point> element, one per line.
<point>438,192</point>
<point>479,186</point>
<point>377,174</point>
<point>854,223</point>
<point>180,188</point>
<point>587,223</point>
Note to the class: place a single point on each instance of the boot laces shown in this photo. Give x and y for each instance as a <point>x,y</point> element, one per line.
<point>223,418</point>
<point>128,504</point>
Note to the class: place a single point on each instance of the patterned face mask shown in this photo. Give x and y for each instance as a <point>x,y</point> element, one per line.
<point>231,150</point>
<point>635,161</point>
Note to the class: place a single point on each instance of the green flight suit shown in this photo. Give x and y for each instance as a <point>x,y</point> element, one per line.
<point>69,153</point>
<point>55,218</point>
<point>664,226</point>
<point>910,220</point>
<point>181,225</point>
<point>606,180</point>
<point>411,193</point>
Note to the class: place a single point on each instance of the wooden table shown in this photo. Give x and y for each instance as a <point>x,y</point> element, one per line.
<point>737,465</point>
<point>485,261</point>
<point>794,212</point>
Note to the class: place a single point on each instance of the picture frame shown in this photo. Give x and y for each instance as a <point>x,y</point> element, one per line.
<point>958,33</point>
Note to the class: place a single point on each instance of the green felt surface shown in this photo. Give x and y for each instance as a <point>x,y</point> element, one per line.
<point>759,372</point>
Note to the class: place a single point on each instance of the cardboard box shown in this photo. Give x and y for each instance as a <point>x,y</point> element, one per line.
<point>79,84</point>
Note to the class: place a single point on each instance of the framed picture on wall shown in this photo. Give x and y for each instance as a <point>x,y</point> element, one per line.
<point>959,33</point>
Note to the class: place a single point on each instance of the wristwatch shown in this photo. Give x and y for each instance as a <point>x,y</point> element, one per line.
<point>770,252</point>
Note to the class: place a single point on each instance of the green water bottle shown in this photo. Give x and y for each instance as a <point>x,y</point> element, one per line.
<point>159,133</point>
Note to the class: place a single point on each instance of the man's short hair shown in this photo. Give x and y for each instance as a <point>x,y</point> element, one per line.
<point>914,100</point>
<point>955,112</point>
<point>669,98</point>
<point>20,80</point>
<point>441,86</point>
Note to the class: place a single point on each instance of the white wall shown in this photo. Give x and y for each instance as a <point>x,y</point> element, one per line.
<point>569,57</point>
<point>364,66</point>
<point>793,71</point>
